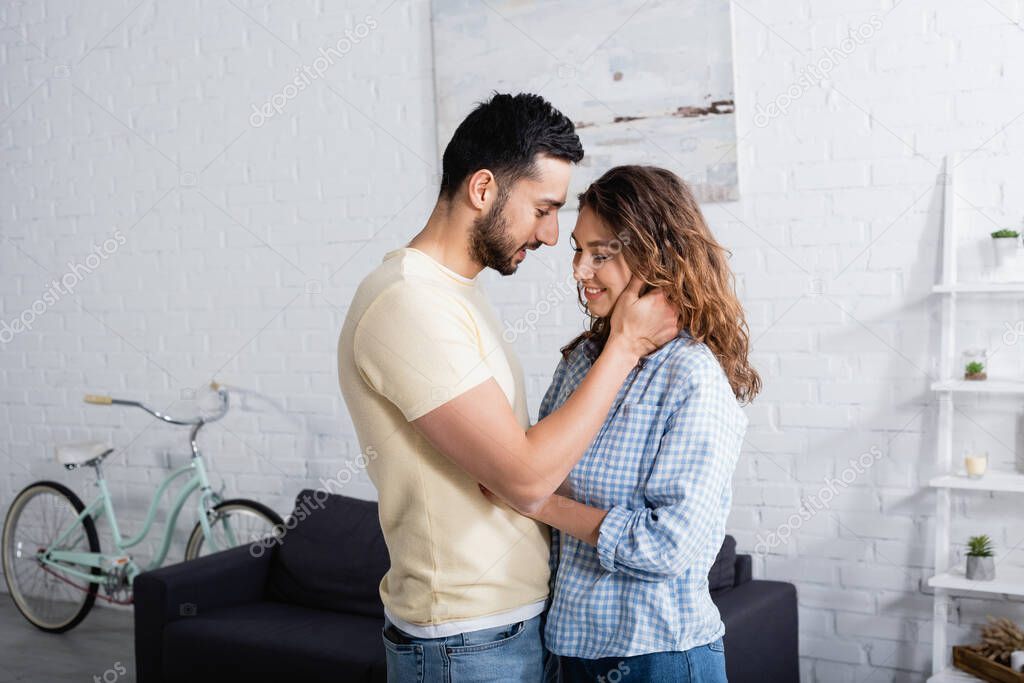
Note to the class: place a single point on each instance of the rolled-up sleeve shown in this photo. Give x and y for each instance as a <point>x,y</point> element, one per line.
<point>687,487</point>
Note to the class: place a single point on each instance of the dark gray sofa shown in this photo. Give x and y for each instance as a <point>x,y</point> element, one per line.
<point>308,608</point>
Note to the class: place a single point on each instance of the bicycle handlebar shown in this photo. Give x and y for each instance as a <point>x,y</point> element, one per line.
<point>222,392</point>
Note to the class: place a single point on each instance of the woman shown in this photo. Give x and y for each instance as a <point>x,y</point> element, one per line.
<point>643,512</point>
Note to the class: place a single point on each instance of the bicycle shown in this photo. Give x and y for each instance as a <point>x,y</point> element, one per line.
<point>44,553</point>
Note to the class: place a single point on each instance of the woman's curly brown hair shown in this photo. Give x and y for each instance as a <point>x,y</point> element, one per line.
<point>667,244</point>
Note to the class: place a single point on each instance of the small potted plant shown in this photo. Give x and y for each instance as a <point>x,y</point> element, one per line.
<point>975,370</point>
<point>981,565</point>
<point>975,360</point>
<point>1005,244</point>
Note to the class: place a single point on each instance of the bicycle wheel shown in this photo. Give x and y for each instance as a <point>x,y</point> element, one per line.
<point>38,515</point>
<point>234,522</point>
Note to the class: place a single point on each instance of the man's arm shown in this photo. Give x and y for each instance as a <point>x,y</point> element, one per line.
<point>479,432</point>
<point>692,468</point>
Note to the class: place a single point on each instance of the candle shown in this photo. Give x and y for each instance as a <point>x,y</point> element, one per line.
<point>976,465</point>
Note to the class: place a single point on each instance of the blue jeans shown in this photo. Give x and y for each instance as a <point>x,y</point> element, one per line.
<point>504,654</point>
<point>703,664</point>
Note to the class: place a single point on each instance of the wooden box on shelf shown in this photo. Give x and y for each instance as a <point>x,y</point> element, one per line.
<point>967,659</point>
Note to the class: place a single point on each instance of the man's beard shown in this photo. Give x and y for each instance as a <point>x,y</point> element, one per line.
<point>489,243</point>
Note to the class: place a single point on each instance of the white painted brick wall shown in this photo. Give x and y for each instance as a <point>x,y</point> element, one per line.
<point>244,244</point>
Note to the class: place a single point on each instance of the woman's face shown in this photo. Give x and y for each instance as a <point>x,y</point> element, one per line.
<point>598,265</point>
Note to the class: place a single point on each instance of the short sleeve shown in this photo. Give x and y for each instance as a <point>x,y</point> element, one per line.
<point>419,348</point>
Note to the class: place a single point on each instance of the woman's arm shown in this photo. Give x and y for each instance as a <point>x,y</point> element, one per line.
<point>694,465</point>
<point>685,489</point>
<point>478,431</point>
<point>571,517</point>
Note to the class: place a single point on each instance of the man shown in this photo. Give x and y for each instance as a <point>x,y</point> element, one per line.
<point>439,396</point>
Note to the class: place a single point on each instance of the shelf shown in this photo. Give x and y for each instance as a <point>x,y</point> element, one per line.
<point>1009,581</point>
<point>952,675</point>
<point>980,288</point>
<point>985,386</point>
<point>992,481</point>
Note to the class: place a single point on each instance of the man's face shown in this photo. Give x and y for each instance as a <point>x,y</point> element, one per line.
<point>522,217</point>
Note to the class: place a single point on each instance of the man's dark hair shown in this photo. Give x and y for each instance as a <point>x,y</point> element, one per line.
<point>504,135</point>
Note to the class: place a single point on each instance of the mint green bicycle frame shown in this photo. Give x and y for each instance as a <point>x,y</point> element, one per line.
<point>102,505</point>
<point>59,559</point>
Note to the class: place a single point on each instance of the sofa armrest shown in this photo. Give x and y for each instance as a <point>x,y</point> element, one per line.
<point>179,591</point>
<point>761,632</point>
<point>744,570</point>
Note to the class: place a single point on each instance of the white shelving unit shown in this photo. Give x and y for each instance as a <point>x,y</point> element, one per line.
<point>1010,581</point>
<point>967,386</point>
<point>980,288</point>
<point>993,481</point>
<point>951,675</point>
<point>949,580</point>
<point>986,386</point>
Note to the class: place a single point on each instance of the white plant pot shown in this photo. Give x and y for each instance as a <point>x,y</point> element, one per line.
<point>1007,257</point>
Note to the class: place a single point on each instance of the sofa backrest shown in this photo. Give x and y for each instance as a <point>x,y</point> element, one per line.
<point>723,572</point>
<point>332,555</point>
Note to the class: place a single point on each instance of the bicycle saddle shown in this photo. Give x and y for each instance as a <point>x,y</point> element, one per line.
<point>73,455</point>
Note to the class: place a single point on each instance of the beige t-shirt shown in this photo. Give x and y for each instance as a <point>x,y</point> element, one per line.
<point>416,336</point>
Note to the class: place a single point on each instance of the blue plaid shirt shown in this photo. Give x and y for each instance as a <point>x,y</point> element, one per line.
<point>661,466</point>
